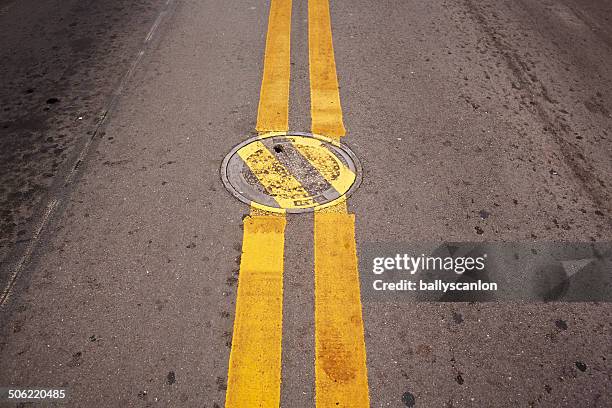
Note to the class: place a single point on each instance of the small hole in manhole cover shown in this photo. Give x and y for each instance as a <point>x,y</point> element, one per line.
<point>291,172</point>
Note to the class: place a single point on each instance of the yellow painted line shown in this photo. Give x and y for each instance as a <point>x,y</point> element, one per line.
<point>286,190</point>
<point>254,373</point>
<point>325,105</point>
<point>341,374</point>
<point>327,164</point>
<point>337,206</point>
<point>340,359</point>
<point>273,112</point>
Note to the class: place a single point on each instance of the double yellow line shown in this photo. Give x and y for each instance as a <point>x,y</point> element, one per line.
<point>254,374</point>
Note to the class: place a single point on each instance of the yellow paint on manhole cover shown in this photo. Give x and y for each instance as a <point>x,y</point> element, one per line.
<point>291,172</point>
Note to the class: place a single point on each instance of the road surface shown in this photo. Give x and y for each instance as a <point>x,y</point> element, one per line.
<point>122,253</point>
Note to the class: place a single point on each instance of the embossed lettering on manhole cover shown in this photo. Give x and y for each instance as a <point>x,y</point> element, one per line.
<point>291,172</point>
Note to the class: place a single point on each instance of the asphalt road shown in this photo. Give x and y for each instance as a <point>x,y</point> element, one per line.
<point>121,250</point>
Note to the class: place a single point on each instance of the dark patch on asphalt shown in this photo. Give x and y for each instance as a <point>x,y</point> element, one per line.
<point>581,366</point>
<point>484,214</point>
<point>561,324</point>
<point>227,335</point>
<point>171,378</point>
<point>76,359</point>
<point>457,317</point>
<point>221,385</point>
<point>459,379</point>
<point>231,281</point>
<point>408,399</point>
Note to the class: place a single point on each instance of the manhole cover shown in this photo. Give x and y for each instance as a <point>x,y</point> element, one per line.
<point>291,172</point>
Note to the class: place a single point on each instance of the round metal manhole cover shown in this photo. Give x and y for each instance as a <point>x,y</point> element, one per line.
<point>291,172</point>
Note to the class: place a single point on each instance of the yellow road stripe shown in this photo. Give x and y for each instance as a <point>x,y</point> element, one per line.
<point>327,164</point>
<point>340,361</point>
<point>286,190</point>
<point>273,112</point>
<point>325,105</point>
<point>340,353</point>
<point>254,374</point>
<point>339,208</point>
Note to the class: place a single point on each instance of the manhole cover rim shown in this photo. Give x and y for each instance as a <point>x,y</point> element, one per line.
<point>340,145</point>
